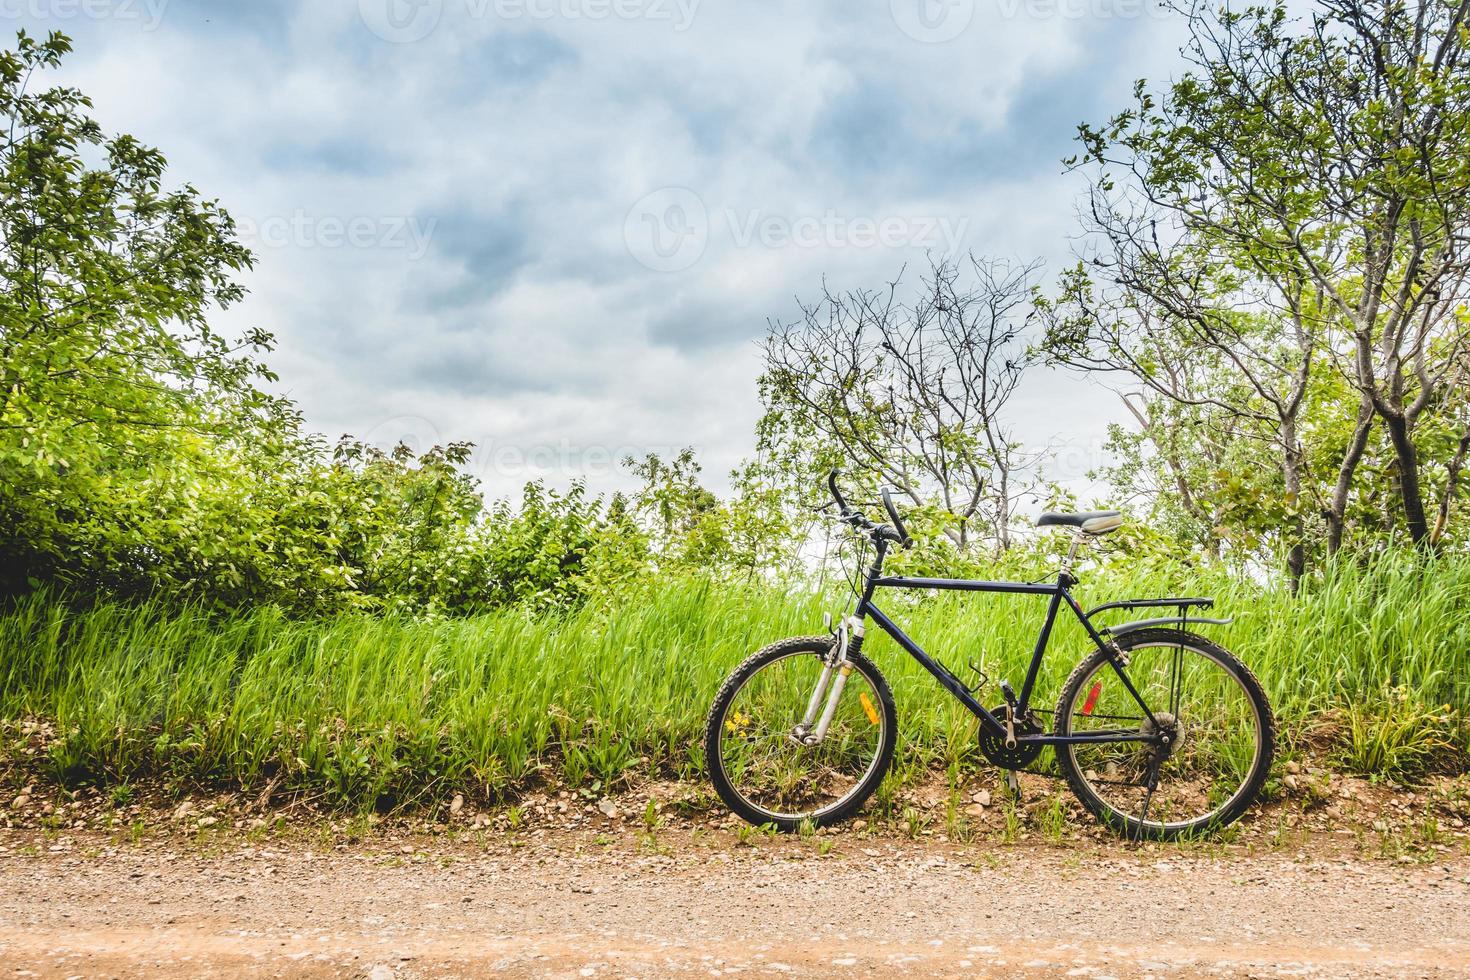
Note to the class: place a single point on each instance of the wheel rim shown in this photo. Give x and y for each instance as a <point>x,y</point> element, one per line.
<point>769,769</point>
<point>1215,728</point>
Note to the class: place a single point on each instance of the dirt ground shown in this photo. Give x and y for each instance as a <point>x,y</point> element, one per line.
<point>583,905</point>
<point>1339,879</point>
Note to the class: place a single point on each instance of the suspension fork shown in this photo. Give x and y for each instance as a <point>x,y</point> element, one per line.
<point>834,673</point>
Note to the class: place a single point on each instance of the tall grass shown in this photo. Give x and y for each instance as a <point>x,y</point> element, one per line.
<point>370,711</point>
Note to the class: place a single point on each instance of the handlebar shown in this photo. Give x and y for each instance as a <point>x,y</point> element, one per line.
<point>850,516</point>
<point>903,533</point>
<point>837,494</point>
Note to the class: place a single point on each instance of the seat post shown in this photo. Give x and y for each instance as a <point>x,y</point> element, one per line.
<point>1077,536</point>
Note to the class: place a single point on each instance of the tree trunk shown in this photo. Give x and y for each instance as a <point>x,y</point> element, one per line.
<point>1336,513</point>
<point>1003,502</point>
<point>1291,471</point>
<point>1451,487</point>
<point>1410,493</point>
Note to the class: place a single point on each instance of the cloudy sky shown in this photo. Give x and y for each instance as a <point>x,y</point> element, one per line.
<point>558,227</point>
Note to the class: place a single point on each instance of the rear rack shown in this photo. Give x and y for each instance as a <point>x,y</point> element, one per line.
<point>1182,604</point>
<point>1203,602</point>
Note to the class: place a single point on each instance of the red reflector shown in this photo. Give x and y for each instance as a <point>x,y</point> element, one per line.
<point>1092,698</point>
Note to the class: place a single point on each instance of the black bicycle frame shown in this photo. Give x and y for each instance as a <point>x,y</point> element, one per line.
<point>1058,593</point>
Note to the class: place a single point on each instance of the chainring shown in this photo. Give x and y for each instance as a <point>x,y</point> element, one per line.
<point>994,746</point>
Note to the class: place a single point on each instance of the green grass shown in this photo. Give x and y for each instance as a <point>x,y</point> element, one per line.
<point>363,711</point>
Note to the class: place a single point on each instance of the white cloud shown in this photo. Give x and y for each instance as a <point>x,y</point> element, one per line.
<point>517,146</point>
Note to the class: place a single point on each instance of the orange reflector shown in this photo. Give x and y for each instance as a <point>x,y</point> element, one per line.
<point>1092,698</point>
<point>868,706</point>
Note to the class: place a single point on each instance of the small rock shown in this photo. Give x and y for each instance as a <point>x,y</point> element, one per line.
<point>982,797</point>
<point>975,810</point>
<point>183,810</point>
<point>21,802</point>
<point>381,972</point>
<point>208,821</point>
<point>608,807</point>
<point>456,804</point>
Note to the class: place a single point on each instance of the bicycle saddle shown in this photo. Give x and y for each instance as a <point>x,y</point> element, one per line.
<point>1091,522</point>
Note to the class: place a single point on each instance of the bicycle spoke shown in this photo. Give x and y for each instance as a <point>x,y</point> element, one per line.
<point>780,774</point>
<point>1213,736</point>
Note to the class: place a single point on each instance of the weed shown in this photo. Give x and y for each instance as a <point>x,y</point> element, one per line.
<point>651,819</point>
<point>1053,819</point>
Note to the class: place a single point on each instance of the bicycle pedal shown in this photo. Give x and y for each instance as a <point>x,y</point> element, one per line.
<point>1013,784</point>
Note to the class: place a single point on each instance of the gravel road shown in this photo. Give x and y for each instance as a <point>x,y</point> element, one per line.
<point>583,906</point>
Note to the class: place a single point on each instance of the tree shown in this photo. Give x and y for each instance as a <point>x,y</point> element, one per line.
<point>1297,203</point>
<point>115,394</point>
<point>689,527</point>
<point>914,395</point>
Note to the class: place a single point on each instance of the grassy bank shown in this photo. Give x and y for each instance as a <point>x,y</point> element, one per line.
<point>369,711</point>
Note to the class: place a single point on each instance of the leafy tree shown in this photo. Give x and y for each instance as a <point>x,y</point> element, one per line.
<point>1297,204</point>
<point>119,405</point>
<point>689,527</point>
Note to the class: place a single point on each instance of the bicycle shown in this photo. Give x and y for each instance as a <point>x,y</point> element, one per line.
<point>804,730</point>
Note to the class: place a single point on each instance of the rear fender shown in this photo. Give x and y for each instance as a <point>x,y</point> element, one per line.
<point>1143,624</point>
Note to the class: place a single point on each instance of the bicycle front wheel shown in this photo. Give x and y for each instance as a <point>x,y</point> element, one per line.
<point>765,756</point>
<point>1211,708</point>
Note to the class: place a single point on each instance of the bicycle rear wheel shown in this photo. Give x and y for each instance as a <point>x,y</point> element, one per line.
<point>760,763</point>
<point>1220,728</point>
